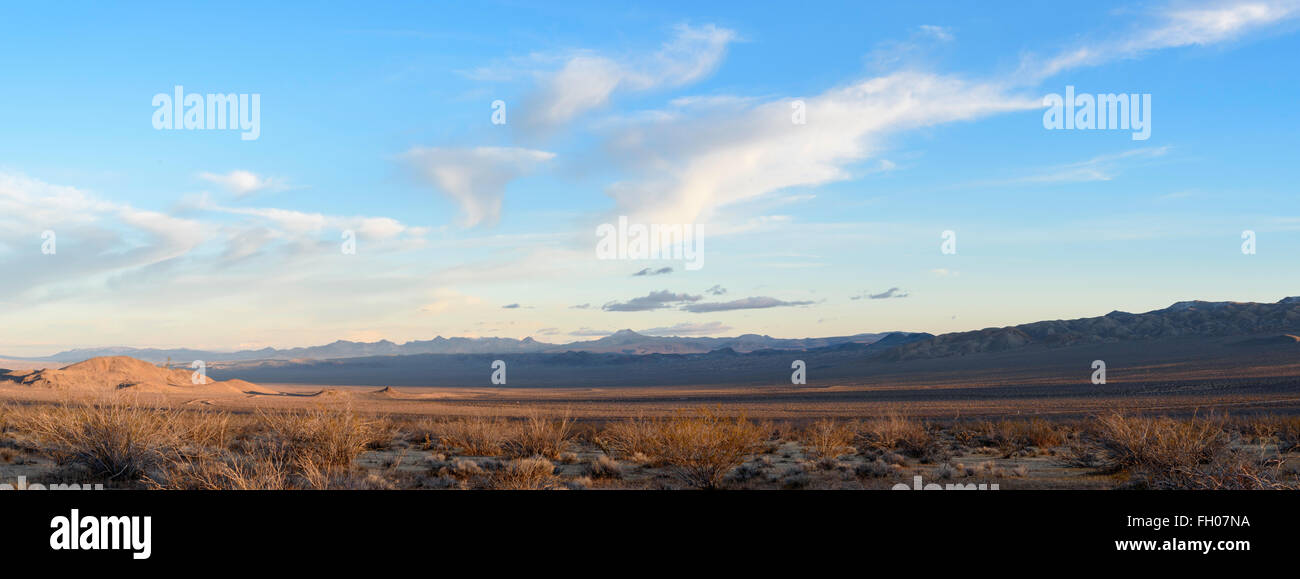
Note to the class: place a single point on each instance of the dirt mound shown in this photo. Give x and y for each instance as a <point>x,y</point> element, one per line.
<point>247,387</point>
<point>327,393</point>
<point>111,373</point>
<point>385,392</point>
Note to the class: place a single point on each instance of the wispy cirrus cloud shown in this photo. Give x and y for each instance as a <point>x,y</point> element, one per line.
<point>95,240</point>
<point>1098,168</point>
<point>475,178</point>
<point>691,163</point>
<point>1176,25</point>
<point>587,80</point>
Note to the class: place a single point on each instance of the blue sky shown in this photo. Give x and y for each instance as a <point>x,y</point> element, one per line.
<point>377,120</point>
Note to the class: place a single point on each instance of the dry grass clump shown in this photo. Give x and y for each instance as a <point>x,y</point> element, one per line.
<point>1194,453</point>
<point>893,431</point>
<point>700,449</point>
<point>223,470</point>
<point>874,469</point>
<point>312,449</point>
<point>327,441</point>
<point>115,438</point>
<point>1081,452</point>
<point>475,435</point>
<point>604,467</point>
<point>1019,435</point>
<point>535,473</point>
<point>828,439</point>
<point>1287,433</point>
<point>629,438</point>
<point>539,436</point>
<point>1160,445</point>
<point>1238,471</point>
<point>1284,431</point>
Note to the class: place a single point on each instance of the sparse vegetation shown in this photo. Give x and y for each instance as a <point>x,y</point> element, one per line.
<point>701,448</point>
<point>829,439</point>
<point>539,436</point>
<point>535,473</point>
<point>604,467</point>
<point>136,445</point>
<point>113,438</point>
<point>475,436</point>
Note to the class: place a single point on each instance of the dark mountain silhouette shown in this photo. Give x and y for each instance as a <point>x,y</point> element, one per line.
<point>1180,320</point>
<point>621,342</point>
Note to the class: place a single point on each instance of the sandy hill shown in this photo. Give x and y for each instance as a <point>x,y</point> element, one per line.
<point>121,372</point>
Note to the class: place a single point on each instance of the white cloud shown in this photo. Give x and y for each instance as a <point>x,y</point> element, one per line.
<point>695,164</point>
<point>1183,25</point>
<point>586,81</point>
<point>475,178</point>
<point>938,32</point>
<point>241,182</point>
<point>95,239</point>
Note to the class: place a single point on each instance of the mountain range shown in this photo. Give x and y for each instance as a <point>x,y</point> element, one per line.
<point>620,342</point>
<point>1271,323</point>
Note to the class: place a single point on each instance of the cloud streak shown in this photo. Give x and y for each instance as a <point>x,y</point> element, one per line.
<point>691,161</point>
<point>1176,26</point>
<point>587,81</point>
<point>753,303</point>
<point>652,301</point>
<point>475,178</point>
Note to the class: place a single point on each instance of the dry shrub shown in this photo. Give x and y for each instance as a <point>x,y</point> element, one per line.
<point>539,436</point>
<point>629,438</point>
<point>699,449</point>
<point>1013,436</point>
<point>475,435</point>
<point>313,449</point>
<point>1287,433</point>
<point>223,471</point>
<point>873,469</point>
<point>1237,471</point>
<point>112,437</point>
<point>385,433</point>
<point>1195,453</point>
<point>604,467</point>
<point>1284,431</point>
<point>423,432</point>
<point>1080,452</point>
<point>1160,445</point>
<point>828,439</point>
<point>328,441</point>
<point>1036,432</point>
<point>523,474</point>
<point>893,431</point>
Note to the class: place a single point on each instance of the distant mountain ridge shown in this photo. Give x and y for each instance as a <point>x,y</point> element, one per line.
<point>620,342</point>
<point>1182,319</point>
<point>1262,322</point>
